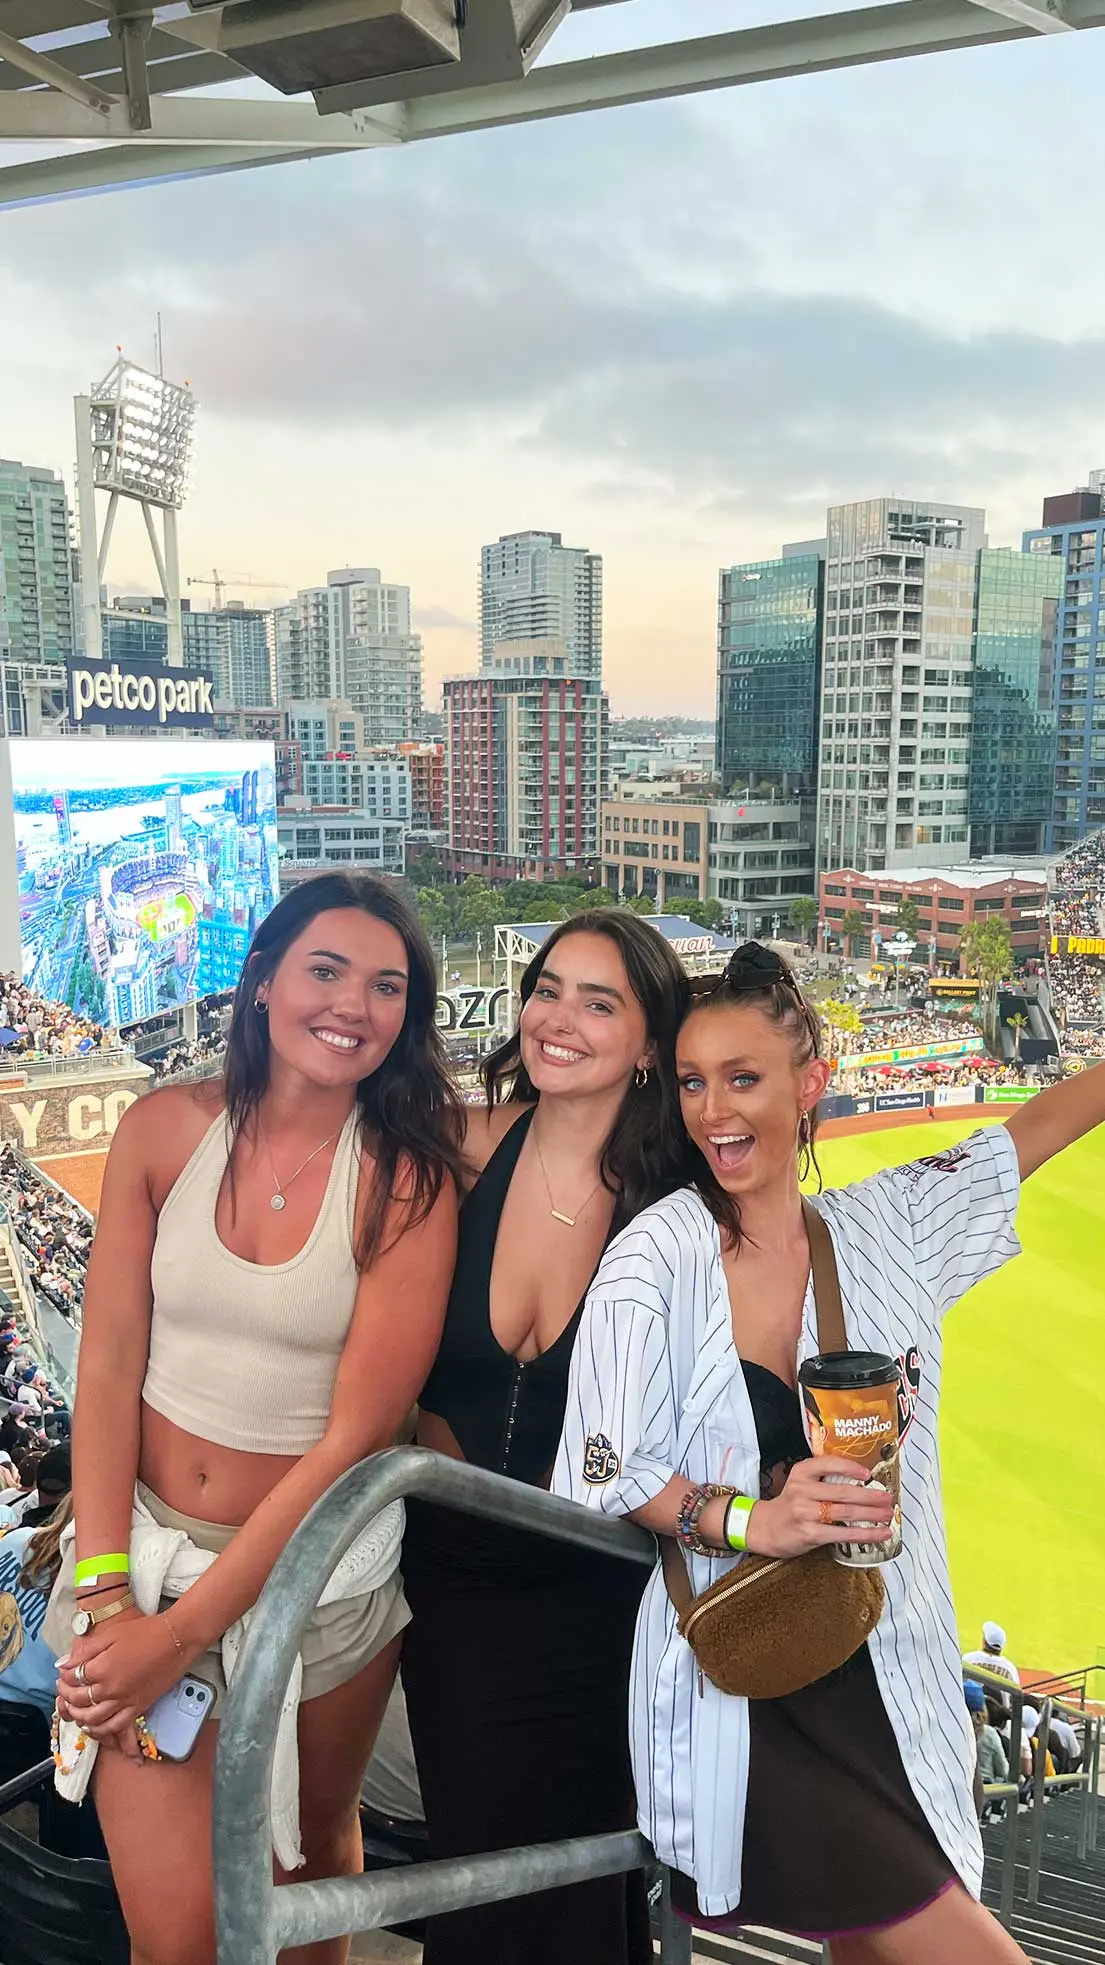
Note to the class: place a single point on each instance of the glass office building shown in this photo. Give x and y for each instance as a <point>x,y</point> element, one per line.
<point>1014,720</point>
<point>769,642</point>
<point>1073,536</point>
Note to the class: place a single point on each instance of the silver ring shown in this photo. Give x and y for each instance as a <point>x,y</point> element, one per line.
<point>78,1674</point>
<point>91,1695</point>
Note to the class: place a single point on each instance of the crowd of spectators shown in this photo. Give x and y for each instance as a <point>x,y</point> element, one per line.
<point>50,1030</point>
<point>991,1711</point>
<point>1076,992</point>
<point>33,1412</point>
<point>1076,980</point>
<point>1080,879</point>
<point>192,1057</point>
<point>55,1233</point>
<point>888,1033</point>
<point>967,1073</point>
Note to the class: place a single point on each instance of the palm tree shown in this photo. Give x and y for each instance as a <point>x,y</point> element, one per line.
<point>840,1020</point>
<point>1018,1024</point>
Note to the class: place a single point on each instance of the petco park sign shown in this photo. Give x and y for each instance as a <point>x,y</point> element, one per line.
<point>140,694</point>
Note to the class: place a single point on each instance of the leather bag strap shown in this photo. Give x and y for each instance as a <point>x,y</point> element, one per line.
<point>831,1336</point>
<point>831,1333</point>
<point>676,1577</point>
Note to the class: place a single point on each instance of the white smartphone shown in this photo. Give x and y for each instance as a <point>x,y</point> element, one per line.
<point>175,1719</point>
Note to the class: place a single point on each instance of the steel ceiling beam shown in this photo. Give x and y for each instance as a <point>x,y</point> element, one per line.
<point>196,135</point>
<point>1047,17</point>
<point>41,69</point>
<point>39,115</point>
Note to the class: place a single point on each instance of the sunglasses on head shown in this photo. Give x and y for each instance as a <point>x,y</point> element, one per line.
<point>751,968</point>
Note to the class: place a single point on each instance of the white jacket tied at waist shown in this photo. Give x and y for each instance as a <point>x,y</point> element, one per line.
<point>165,1562</point>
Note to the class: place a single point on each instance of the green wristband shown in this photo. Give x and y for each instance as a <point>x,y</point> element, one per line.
<point>736,1522</point>
<point>94,1567</point>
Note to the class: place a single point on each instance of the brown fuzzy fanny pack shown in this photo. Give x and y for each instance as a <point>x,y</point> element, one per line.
<point>775,1624</point>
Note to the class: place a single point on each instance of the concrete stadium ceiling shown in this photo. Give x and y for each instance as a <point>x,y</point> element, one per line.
<point>134,93</point>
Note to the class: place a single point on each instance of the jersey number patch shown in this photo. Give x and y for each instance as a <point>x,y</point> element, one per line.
<point>600,1462</point>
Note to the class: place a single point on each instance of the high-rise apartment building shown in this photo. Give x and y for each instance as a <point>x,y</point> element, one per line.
<point>1073,536</point>
<point>533,587</point>
<point>352,640</point>
<point>429,785</point>
<point>896,681</point>
<point>199,632</point>
<point>525,772</point>
<point>244,672</point>
<point>37,611</point>
<point>769,660</point>
<point>1013,717</point>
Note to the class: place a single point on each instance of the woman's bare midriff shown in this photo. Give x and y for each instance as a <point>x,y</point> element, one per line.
<point>211,1483</point>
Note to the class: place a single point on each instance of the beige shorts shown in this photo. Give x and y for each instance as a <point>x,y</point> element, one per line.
<point>340,1640</point>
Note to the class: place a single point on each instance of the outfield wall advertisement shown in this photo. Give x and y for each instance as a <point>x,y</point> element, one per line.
<point>959,1047</point>
<point>137,871</point>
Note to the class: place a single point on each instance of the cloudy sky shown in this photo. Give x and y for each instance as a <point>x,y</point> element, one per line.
<point>673,333</point>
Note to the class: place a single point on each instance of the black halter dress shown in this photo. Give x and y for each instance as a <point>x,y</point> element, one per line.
<point>516,1664</point>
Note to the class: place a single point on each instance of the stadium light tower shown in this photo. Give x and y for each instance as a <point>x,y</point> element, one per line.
<point>134,438</point>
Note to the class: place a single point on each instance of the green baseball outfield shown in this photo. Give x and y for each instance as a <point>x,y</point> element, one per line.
<point>1023,1432</point>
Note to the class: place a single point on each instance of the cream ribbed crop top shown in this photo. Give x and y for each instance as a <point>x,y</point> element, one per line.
<point>241,1353</point>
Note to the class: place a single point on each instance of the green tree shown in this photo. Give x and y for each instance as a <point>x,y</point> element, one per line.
<point>433,911</point>
<point>642,904</point>
<point>478,905</point>
<point>986,950</point>
<point>594,897</point>
<point>425,869</point>
<point>851,927</point>
<point>907,921</point>
<point>1018,1024</point>
<point>705,914</point>
<point>841,1020</point>
<point>802,914</point>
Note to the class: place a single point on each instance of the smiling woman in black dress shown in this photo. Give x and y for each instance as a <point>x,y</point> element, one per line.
<point>516,1664</point>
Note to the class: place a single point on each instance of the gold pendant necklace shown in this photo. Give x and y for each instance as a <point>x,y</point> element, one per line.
<point>569,1220</point>
<point>278,1202</point>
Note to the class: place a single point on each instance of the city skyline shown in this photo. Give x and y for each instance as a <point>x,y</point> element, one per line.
<point>646,329</point>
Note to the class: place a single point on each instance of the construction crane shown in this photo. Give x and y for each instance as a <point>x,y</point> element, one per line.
<point>220,582</point>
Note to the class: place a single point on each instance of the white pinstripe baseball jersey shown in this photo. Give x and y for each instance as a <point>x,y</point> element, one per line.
<point>656,1390</point>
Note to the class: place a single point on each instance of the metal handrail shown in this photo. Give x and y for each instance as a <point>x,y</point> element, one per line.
<point>1043,1783</point>
<point>1068,1678</point>
<point>254,1919</point>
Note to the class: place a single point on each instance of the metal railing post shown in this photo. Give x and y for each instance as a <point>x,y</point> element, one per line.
<point>1089,1799</point>
<point>1039,1795</point>
<point>254,1919</point>
<point>1013,1820</point>
<point>1095,1773</point>
<point>675,1932</point>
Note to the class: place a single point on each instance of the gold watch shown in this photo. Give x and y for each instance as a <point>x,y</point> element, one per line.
<point>86,1620</point>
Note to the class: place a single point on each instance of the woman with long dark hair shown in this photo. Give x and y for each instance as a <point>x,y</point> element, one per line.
<point>516,1663</point>
<point>241,1349</point>
<point>843,1811</point>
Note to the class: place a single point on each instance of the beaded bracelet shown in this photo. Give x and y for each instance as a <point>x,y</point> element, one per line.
<point>686,1528</point>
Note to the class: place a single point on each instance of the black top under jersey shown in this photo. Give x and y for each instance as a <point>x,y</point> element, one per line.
<point>779,1431</point>
<point>504,1414</point>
